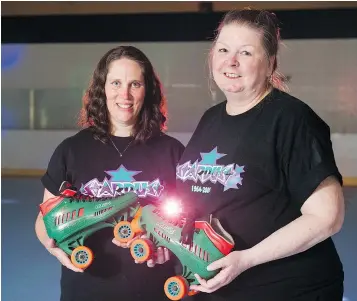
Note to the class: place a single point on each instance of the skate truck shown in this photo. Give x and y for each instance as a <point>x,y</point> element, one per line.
<point>164,225</point>
<point>70,218</point>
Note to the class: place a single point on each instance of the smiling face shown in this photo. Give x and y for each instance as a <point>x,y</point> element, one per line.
<point>125,92</point>
<point>239,61</point>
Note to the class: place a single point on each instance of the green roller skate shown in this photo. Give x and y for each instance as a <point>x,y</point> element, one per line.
<point>209,243</point>
<point>70,218</point>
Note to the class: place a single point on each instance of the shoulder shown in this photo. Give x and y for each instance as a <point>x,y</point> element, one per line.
<point>294,110</point>
<point>79,138</point>
<point>295,121</point>
<point>82,134</point>
<point>163,141</point>
<point>211,114</point>
<point>214,111</point>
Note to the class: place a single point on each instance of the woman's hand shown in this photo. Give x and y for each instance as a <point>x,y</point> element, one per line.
<point>62,257</point>
<point>231,266</point>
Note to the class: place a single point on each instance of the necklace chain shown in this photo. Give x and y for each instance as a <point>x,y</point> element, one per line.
<point>120,153</point>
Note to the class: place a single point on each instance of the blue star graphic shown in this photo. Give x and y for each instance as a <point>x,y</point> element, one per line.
<point>232,182</point>
<point>211,157</point>
<point>235,179</point>
<point>122,174</point>
<point>239,169</point>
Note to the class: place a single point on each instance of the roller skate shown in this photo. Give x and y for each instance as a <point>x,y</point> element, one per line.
<point>71,217</point>
<point>209,243</point>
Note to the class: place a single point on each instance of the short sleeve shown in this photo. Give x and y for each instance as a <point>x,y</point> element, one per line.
<point>56,171</point>
<point>169,171</point>
<point>177,151</point>
<point>308,156</point>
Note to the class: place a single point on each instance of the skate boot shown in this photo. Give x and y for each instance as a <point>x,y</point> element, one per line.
<point>70,218</point>
<point>210,242</point>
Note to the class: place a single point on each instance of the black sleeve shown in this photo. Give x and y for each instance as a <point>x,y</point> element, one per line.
<point>176,150</point>
<point>56,171</point>
<point>307,155</point>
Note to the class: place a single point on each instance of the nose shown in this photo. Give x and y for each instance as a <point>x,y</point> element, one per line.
<point>125,92</point>
<point>233,61</point>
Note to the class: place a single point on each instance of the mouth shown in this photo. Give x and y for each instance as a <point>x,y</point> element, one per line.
<point>232,75</point>
<point>125,106</point>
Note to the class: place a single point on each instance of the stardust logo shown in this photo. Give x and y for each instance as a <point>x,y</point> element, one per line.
<point>121,182</point>
<point>208,170</point>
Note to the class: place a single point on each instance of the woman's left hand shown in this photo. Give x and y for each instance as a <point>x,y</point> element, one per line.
<point>231,266</point>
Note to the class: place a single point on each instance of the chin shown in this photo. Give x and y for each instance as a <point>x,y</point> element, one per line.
<point>232,89</point>
<point>125,116</point>
<point>128,120</point>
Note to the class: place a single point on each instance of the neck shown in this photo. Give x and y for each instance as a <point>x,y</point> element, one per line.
<point>239,103</point>
<point>121,130</point>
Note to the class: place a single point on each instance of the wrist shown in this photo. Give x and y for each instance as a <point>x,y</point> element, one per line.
<point>249,257</point>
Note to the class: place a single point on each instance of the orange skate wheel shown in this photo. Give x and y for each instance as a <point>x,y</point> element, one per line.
<point>123,232</point>
<point>141,249</point>
<point>82,257</point>
<point>176,287</point>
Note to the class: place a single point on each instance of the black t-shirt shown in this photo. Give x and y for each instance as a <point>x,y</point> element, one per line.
<point>97,169</point>
<point>254,171</point>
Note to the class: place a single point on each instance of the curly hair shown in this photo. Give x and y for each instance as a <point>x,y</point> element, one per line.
<point>151,120</point>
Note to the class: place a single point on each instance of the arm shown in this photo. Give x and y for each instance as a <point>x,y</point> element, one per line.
<point>49,243</point>
<point>40,230</point>
<point>306,149</point>
<point>322,216</point>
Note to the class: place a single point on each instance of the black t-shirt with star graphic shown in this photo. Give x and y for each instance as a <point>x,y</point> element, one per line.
<point>97,169</point>
<point>254,171</point>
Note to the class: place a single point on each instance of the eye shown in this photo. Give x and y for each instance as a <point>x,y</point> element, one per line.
<point>136,84</point>
<point>116,83</point>
<point>222,50</point>
<point>245,52</point>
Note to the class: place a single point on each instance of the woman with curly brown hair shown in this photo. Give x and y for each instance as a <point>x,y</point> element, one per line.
<point>121,144</point>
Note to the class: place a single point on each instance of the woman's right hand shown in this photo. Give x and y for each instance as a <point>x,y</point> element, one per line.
<point>49,243</point>
<point>60,255</point>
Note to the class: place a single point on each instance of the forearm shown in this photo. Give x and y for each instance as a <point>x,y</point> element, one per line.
<point>298,236</point>
<point>40,229</point>
<point>322,216</point>
<point>39,224</point>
